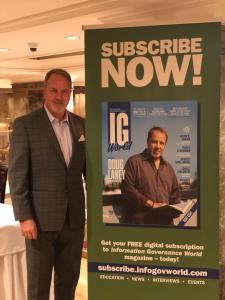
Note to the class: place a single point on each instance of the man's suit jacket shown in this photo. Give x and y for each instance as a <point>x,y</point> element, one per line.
<point>42,186</point>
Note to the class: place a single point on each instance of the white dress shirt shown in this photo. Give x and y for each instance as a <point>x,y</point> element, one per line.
<point>63,134</point>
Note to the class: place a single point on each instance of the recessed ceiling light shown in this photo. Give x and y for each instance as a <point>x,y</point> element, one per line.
<point>72,37</point>
<point>4,49</point>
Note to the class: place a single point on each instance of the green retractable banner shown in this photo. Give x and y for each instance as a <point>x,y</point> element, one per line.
<point>152,129</point>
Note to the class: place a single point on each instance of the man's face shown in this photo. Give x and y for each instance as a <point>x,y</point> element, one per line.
<point>156,144</point>
<point>57,94</point>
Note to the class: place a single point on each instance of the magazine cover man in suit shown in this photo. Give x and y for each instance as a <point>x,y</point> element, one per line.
<point>46,163</point>
<point>150,183</point>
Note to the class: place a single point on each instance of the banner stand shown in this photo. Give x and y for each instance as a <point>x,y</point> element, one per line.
<point>222,164</point>
<point>166,78</point>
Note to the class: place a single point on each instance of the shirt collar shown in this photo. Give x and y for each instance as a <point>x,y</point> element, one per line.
<point>147,156</point>
<point>52,118</point>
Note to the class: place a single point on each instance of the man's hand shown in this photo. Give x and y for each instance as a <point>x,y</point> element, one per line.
<point>152,204</point>
<point>28,229</point>
<point>159,204</point>
<point>149,203</point>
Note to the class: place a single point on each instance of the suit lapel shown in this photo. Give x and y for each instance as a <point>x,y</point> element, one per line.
<point>76,132</point>
<point>74,128</point>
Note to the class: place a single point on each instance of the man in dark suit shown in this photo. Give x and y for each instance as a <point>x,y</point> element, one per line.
<point>46,162</point>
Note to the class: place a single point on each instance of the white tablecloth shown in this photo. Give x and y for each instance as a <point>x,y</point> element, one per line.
<point>13,274</point>
<point>12,257</point>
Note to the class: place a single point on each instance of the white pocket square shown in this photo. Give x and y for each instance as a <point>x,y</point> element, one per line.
<point>81,139</point>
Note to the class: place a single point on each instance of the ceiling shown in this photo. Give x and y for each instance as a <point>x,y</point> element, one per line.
<point>48,22</point>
